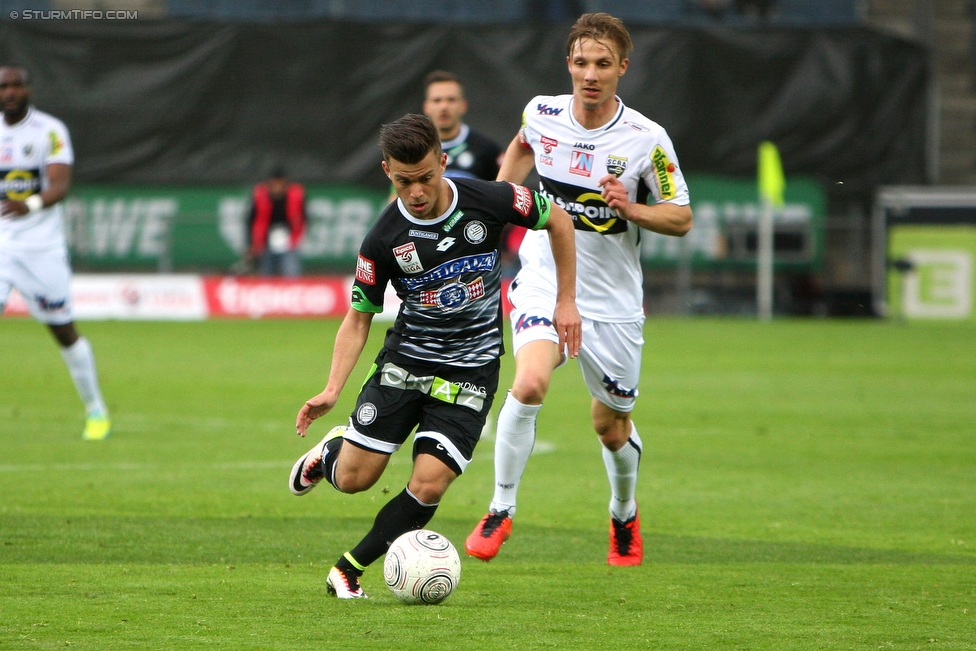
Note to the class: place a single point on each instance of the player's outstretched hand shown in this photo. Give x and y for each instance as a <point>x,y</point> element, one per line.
<point>569,325</point>
<point>313,408</point>
<point>11,209</point>
<point>615,194</point>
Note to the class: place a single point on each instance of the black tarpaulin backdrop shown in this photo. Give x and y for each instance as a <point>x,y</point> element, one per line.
<point>203,103</point>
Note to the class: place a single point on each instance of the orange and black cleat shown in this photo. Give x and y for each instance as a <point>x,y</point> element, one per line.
<point>487,538</point>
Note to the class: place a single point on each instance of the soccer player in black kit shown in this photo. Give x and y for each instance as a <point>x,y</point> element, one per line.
<point>438,368</point>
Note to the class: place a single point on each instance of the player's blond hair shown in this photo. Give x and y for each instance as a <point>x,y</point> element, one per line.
<point>602,28</point>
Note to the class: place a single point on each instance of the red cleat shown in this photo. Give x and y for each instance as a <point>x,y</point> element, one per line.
<point>626,544</point>
<point>487,538</point>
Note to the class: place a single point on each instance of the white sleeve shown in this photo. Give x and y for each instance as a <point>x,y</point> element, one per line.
<point>58,144</point>
<point>664,175</point>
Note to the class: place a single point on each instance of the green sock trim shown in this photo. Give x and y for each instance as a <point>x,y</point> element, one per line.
<point>355,563</point>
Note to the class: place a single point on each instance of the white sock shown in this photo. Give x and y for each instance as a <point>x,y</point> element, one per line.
<point>622,472</point>
<point>81,365</point>
<point>514,440</point>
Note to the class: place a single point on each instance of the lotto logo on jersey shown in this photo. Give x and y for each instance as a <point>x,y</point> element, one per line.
<point>523,199</point>
<point>365,270</point>
<point>545,109</point>
<point>407,257</point>
<point>548,144</point>
<point>19,184</point>
<point>664,170</point>
<point>581,163</point>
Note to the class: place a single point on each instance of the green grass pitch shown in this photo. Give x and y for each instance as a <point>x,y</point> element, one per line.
<point>805,485</point>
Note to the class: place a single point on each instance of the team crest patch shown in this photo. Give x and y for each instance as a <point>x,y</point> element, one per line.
<point>475,232</point>
<point>366,413</point>
<point>616,165</point>
<point>523,199</point>
<point>365,270</point>
<point>407,257</point>
<point>28,148</point>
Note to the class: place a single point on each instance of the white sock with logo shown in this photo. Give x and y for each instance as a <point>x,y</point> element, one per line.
<point>80,360</point>
<point>622,468</point>
<point>514,440</point>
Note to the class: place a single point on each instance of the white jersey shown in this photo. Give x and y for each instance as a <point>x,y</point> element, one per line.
<point>26,149</point>
<point>571,161</point>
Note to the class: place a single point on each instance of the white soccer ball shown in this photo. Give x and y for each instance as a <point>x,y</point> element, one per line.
<point>422,567</point>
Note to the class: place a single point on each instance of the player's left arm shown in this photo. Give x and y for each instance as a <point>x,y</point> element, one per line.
<point>565,317</point>
<point>666,218</point>
<point>59,182</point>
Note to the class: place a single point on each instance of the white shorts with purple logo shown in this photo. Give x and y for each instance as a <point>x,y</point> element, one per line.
<point>43,278</point>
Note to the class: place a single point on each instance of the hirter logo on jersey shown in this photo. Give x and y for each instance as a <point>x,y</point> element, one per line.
<point>365,270</point>
<point>548,143</point>
<point>407,257</point>
<point>523,199</point>
<point>581,163</point>
<point>545,109</point>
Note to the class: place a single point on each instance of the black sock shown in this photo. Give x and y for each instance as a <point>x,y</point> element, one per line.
<point>329,463</point>
<point>401,514</point>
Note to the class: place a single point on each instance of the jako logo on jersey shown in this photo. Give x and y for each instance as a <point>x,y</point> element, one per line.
<point>545,109</point>
<point>453,220</point>
<point>523,199</point>
<point>446,244</point>
<point>424,235</point>
<point>581,163</point>
<point>452,269</point>
<point>616,165</point>
<point>19,184</point>
<point>407,257</point>
<point>613,387</point>
<point>586,146</point>
<point>453,296</point>
<point>664,170</point>
<point>548,143</point>
<point>526,321</point>
<point>365,270</point>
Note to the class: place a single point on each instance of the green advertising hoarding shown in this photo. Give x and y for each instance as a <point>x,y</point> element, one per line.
<point>170,228</point>
<point>936,274</point>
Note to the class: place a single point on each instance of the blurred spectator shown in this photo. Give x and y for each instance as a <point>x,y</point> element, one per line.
<point>276,225</point>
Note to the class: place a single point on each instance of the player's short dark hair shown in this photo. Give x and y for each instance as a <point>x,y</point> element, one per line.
<point>603,28</point>
<point>437,76</point>
<point>409,139</point>
<point>24,73</point>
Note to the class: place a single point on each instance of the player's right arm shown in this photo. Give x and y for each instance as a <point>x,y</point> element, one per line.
<point>518,161</point>
<point>349,344</point>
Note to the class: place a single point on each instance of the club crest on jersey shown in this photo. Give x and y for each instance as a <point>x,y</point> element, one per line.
<point>475,232</point>
<point>545,109</point>
<point>581,163</point>
<point>424,235</point>
<point>616,165</point>
<point>407,257</point>
<point>664,170</point>
<point>523,199</point>
<point>365,270</point>
<point>28,149</point>
<point>548,144</point>
<point>453,296</point>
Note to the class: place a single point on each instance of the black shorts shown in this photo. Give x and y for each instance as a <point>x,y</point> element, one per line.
<point>447,404</point>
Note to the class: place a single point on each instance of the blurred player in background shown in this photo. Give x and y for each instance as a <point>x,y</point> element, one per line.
<point>470,154</point>
<point>615,172</point>
<point>438,369</point>
<point>35,173</point>
<point>276,225</point>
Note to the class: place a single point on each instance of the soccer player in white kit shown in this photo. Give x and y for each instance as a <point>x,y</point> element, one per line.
<point>615,172</point>
<point>35,175</point>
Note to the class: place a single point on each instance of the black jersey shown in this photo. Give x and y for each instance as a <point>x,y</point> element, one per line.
<point>471,155</point>
<point>446,271</point>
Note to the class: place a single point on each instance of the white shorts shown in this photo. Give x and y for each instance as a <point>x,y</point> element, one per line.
<point>610,356</point>
<point>43,278</point>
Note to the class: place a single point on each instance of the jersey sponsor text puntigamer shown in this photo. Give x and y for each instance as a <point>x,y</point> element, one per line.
<point>26,149</point>
<point>570,161</point>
